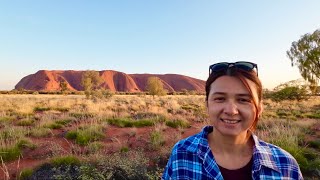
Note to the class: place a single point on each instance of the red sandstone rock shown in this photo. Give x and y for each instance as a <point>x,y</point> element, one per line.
<point>45,80</point>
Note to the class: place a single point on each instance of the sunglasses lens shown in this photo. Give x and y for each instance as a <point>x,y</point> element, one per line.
<point>219,66</point>
<point>244,66</point>
<point>223,66</point>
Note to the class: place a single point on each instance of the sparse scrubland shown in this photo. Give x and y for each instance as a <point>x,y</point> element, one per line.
<point>130,136</point>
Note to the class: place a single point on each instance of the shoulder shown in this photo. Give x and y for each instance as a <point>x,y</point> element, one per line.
<point>276,158</point>
<point>279,154</point>
<point>191,144</point>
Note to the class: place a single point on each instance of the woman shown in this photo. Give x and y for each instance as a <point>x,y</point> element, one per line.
<point>228,149</point>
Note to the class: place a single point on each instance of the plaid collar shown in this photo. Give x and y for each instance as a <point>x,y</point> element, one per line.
<point>262,155</point>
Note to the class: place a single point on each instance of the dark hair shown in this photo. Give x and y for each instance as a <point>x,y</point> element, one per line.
<point>242,75</point>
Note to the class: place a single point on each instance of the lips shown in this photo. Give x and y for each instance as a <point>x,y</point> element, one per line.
<point>230,121</point>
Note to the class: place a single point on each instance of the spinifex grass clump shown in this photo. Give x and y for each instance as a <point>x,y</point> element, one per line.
<point>82,115</point>
<point>26,122</point>
<point>41,109</point>
<point>86,134</point>
<point>125,122</point>
<point>156,139</point>
<point>177,123</point>
<point>13,152</point>
<point>40,132</point>
<point>58,124</point>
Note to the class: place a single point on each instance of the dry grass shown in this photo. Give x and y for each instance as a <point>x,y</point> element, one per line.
<point>282,123</point>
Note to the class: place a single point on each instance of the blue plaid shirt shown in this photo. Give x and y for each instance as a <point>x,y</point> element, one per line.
<point>192,158</point>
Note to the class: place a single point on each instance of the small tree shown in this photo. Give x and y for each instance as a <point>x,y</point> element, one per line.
<point>305,54</point>
<point>155,87</point>
<point>63,86</point>
<point>90,81</point>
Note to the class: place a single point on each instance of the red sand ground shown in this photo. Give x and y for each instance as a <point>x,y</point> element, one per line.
<point>115,139</point>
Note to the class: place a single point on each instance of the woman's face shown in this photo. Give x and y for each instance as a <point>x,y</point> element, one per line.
<point>231,107</point>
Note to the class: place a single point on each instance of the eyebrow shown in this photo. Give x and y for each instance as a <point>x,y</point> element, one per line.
<point>223,93</point>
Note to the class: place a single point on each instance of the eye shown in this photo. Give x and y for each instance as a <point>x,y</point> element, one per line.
<point>219,99</point>
<point>244,100</point>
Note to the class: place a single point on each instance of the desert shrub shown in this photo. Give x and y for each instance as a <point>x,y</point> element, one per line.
<point>25,174</point>
<point>124,149</point>
<point>289,93</point>
<point>23,143</point>
<point>82,115</point>
<point>41,109</point>
<point>269,114</point>
<point>150,115</point>
<point>177,123</point>
<point>129,165</point>
<point>6,119</point>
<point>102,94</point>
<point>130,123</point>
<point>13,151</point>
<point>87,134</point>
<point>10,153</point>
<point>65,160</point>
<point>313,116</point>
<point>40,132</point>
<point>94,147</point>
<point>25,122</point>
<point>156,139</point>
<point>63,121</point>
<point>54,126</point>
<point>71,135</point>
<point>315,144</point>
<point>62,109</point>
<point>87,171</point>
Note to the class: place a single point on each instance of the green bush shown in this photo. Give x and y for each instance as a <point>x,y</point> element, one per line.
<point>10,153</point>
<point>130,123</point>
<point>63,121</point>
<point>71,135</point>
<point>315,144</point>
<point>82,115</point>
<point>25,122</point>
<point>23,143</point>
<point>124,149</point>
<point>25,174</point>
<point>313,116</point>
<point>156,139</point>
<point>94,147</point>
<point>65,160</point>
<point>54,126</point>
<point>40,132</point>
<point>41,109</point>
<point>289,93</point>
<point>85,135</point>
<point>62,109</point>
<point>6,119</point>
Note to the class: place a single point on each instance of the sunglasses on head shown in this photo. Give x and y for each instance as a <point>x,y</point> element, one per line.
<point>224,66</point>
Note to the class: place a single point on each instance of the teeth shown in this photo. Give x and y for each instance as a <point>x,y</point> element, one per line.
<point>230,121</point>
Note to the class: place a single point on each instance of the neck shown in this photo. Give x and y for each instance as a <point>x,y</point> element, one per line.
<point>233,145</point>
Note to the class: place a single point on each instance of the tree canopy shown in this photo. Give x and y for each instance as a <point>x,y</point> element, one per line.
<point>91,80</point>
<point>305,53</point>
<point>155,86</point>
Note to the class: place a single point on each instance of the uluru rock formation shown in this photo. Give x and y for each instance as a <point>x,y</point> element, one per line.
<point>45,80</point>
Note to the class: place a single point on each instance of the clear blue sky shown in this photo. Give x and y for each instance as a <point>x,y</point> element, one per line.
<point>150,36</point>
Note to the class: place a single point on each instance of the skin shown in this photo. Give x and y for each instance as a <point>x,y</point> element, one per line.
<point>232,112</point>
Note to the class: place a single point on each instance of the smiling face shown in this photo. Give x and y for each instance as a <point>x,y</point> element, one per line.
<point>231,107</point>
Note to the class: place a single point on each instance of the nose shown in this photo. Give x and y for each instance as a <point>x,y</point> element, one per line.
<point>231,108</point>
